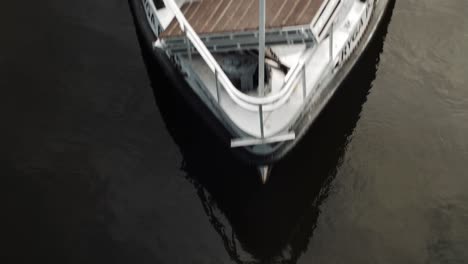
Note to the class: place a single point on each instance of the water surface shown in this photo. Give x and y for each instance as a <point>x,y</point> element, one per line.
<point>97,169</point>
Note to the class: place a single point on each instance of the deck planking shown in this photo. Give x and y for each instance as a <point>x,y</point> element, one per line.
<point>228,16</point>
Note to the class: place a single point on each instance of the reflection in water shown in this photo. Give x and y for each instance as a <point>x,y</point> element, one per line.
<point>273,222</point>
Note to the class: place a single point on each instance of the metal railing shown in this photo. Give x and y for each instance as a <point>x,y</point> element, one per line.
<point>261,104</point>
<point>251,103</point>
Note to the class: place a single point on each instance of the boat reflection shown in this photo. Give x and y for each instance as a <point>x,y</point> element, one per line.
<point>270,223</point>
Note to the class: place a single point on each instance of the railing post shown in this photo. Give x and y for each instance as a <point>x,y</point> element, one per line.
<point>189,50</point>
<point>260,110</point>
<point>217,87</point>
<point>304,87</point>
<point>261,48</point>
<point>331,41</point>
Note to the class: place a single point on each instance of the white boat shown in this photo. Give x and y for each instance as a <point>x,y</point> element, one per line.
<point>258,71</point>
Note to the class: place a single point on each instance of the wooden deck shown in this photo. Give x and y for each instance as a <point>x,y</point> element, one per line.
<point>227,16</point>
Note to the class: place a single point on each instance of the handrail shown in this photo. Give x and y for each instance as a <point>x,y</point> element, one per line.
<point>273,101</point>
<point>269,103</point>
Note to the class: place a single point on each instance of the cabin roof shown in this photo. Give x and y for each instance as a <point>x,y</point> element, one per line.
<point>231,16</point>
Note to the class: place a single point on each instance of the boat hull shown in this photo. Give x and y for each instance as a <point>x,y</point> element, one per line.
<point>159,65</point>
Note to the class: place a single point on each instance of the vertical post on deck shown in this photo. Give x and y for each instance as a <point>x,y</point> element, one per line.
<point>261,48</point>
<point>261,60</point>
<point>260,110</point>
<point>304,87</point>
<point>331,41</point>
<point>217,87</point>
<point>189,50</point>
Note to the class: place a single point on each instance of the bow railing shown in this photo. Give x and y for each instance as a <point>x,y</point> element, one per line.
<point>252,103</point>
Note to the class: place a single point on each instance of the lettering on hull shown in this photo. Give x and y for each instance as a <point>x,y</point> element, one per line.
<point>356,35</point>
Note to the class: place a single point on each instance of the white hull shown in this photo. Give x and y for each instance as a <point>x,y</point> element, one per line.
<point>325,65</point>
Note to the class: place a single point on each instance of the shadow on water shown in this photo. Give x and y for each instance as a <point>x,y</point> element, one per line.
<point>273,222</point>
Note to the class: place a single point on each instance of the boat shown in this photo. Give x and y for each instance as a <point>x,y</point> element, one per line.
<point>259,72</point>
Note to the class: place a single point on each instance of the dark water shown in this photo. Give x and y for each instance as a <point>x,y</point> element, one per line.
<point>95,170</point>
